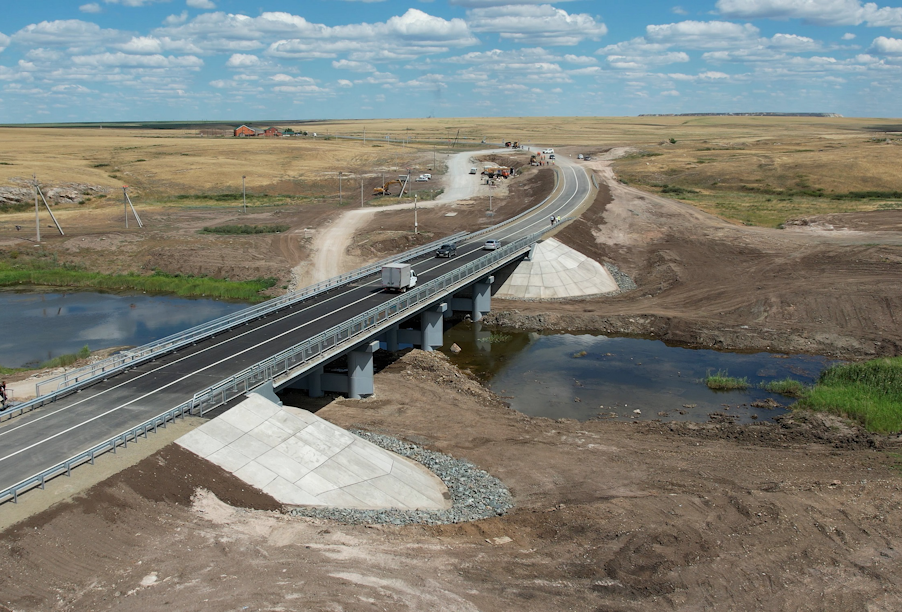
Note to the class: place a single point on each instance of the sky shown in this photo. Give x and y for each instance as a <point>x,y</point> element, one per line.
<point>211,60</point>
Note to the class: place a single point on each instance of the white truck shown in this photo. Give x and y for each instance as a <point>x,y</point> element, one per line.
<point>398,277</point>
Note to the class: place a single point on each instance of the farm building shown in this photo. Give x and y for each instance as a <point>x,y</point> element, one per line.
<point>272,131</point>
<point>244,131</point>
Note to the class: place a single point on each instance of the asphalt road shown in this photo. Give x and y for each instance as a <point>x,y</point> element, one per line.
<point>45,437</point>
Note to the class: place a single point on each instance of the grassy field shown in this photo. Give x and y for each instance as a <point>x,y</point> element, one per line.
<point>753,170</point>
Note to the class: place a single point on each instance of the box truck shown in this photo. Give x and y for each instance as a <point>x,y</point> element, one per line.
<point>398,277</point>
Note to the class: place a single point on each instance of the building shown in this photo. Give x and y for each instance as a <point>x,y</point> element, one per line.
<point>245,131</point>
<point>272,131</point>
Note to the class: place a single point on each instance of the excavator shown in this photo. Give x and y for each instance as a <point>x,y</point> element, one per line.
<point>386,188</point>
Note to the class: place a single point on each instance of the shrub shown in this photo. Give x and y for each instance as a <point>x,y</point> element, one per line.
<point>722,381</point>
<point>788,387</point>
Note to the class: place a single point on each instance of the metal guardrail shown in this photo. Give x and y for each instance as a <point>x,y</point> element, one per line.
<point>69,381</point>
<point>334,340</point>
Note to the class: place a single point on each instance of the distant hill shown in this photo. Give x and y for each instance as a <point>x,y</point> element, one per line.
<point>741,115</point>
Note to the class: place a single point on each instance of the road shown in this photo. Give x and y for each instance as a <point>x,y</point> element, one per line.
<point>41,439</point>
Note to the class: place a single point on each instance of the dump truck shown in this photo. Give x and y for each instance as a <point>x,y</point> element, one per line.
<point>398,277</point>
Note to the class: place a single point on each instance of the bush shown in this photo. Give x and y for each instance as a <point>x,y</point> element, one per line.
<point>67,360</point>
<point>787,387</point>
<point>244,229</point>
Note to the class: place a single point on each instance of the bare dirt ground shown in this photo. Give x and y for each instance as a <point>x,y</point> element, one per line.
<point>609,516</point>
<point>829,285</point>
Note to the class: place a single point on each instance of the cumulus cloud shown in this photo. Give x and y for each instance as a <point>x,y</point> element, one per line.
<point>492,3</point>
<point>639,53</point>
<point>147,61</point>
<point>819,12</point>
<point>201,4</point>
<point>543,24</point>
<point>4,41</point>
<point>793,43</point>
<point>887,46</point>
<point>353,66</point>
<point>142,44</point>
<point>133,2</point>
<point>242,60</point>
<point>848,36</point>
<point>91,7</point>
<point>66,32</point>
<point>702,34</point>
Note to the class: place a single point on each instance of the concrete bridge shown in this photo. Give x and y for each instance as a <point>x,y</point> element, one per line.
<point>287,342</point>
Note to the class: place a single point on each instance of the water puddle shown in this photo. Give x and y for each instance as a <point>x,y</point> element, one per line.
<point>36,326</point>
<point>585,376</point>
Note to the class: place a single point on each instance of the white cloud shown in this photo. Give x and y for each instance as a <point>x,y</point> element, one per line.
<point>492,3</point>
<point>119,59</point>
<point>819,12</point>
<point>848,36</point>
<point>702,34</point>
<point>91,7</point>
<point>679,10</point>
<point>201,4</point>
<point>345,83</point>
<point>242,60</point>
<point>887,46</point>
<point>793,43</point>
<point>174,20</point>
<point>4,41</point>
<point>671,92</point>
<point>542,24</point>
<point>67,33</point>
<point>142,44</point>
<point>638,53</point>
<point>353,66</point>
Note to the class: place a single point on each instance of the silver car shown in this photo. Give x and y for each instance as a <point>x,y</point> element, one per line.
<point>491,245</point>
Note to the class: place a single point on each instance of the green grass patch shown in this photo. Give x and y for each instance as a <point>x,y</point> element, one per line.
<point>722,381</point>
<point>49,273</point>
<point>868,392</point>
<point>9,371</point>
<point>244,229</point>
<point>68,359</point>
<point>788,387</point>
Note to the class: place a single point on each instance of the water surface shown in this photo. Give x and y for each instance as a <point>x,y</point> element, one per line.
<point>36,326</point>
<point>584,376</point>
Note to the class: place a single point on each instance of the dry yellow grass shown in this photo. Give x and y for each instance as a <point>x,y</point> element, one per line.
<point>741,167</point>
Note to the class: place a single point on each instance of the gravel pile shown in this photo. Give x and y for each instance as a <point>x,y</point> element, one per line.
<point>475,494</point>
<point>624,282</point>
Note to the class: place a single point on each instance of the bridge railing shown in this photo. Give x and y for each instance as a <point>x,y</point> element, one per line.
<point>359,328</point>
<point>332,341</point>
<point>63,384</point>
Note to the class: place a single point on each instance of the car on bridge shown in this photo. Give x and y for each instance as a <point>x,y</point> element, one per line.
<point>491,245</point>
<point>446,250</point>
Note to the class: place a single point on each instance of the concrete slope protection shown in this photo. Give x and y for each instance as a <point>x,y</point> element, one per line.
<point>301,459</point>
<point>42,439</point>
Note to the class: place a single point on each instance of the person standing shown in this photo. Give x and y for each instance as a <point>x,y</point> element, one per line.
<point>3,393</point>
<point>552,220</point>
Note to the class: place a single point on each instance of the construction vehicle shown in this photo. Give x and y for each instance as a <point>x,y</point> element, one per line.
<point>516,145</point>
<point>386,188</point>
<point>507,144</point>
<point>533,161</point>
<point>497,171</point>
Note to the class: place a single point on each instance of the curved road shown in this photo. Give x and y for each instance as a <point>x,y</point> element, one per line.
<point>41,439</point>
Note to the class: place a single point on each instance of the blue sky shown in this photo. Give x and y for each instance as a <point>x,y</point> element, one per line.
<point>123,60</point>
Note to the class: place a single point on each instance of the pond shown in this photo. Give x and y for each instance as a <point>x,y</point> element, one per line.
<point>586,376</point>
<point>36,326</point>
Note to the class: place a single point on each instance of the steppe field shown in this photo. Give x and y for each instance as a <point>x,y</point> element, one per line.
<point>781,235</point>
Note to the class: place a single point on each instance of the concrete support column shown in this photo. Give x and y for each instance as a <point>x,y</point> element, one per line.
<point>391,339</point>
<point>315,382</point>
<point>360,370</point>
<point>482,298</point>
<point>432,327</point>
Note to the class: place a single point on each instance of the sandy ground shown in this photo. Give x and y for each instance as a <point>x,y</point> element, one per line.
<point>330,245</point>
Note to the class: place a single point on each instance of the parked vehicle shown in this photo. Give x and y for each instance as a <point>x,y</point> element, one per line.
<point>548,151</point>
<point>428,176</point>
<point>446,250</point>
<point>398,277</point>
<point>421,179</point>
<point>491,245</point>
<point>474,170</point>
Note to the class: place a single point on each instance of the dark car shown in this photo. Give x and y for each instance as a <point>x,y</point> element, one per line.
<point>446,250</point>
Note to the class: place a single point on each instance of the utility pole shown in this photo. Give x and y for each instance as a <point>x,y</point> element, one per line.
<point>416,227</point>
<point>244,192</point>
<point>37,217</point>
<point>361,191</point>
<point>339,189</point>
<point>433,157</point>
<point>364,134</point>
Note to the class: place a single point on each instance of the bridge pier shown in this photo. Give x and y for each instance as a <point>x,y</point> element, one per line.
<point>391,339</point>
<point>432,327</point>
<point>360,370</point>
<point>481,301</point>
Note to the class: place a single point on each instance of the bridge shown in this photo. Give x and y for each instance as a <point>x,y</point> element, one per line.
<point>285,342</point>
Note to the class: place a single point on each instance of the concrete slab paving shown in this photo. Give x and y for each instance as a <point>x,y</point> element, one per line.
<point>557,271</point>
<point>300,459</point>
